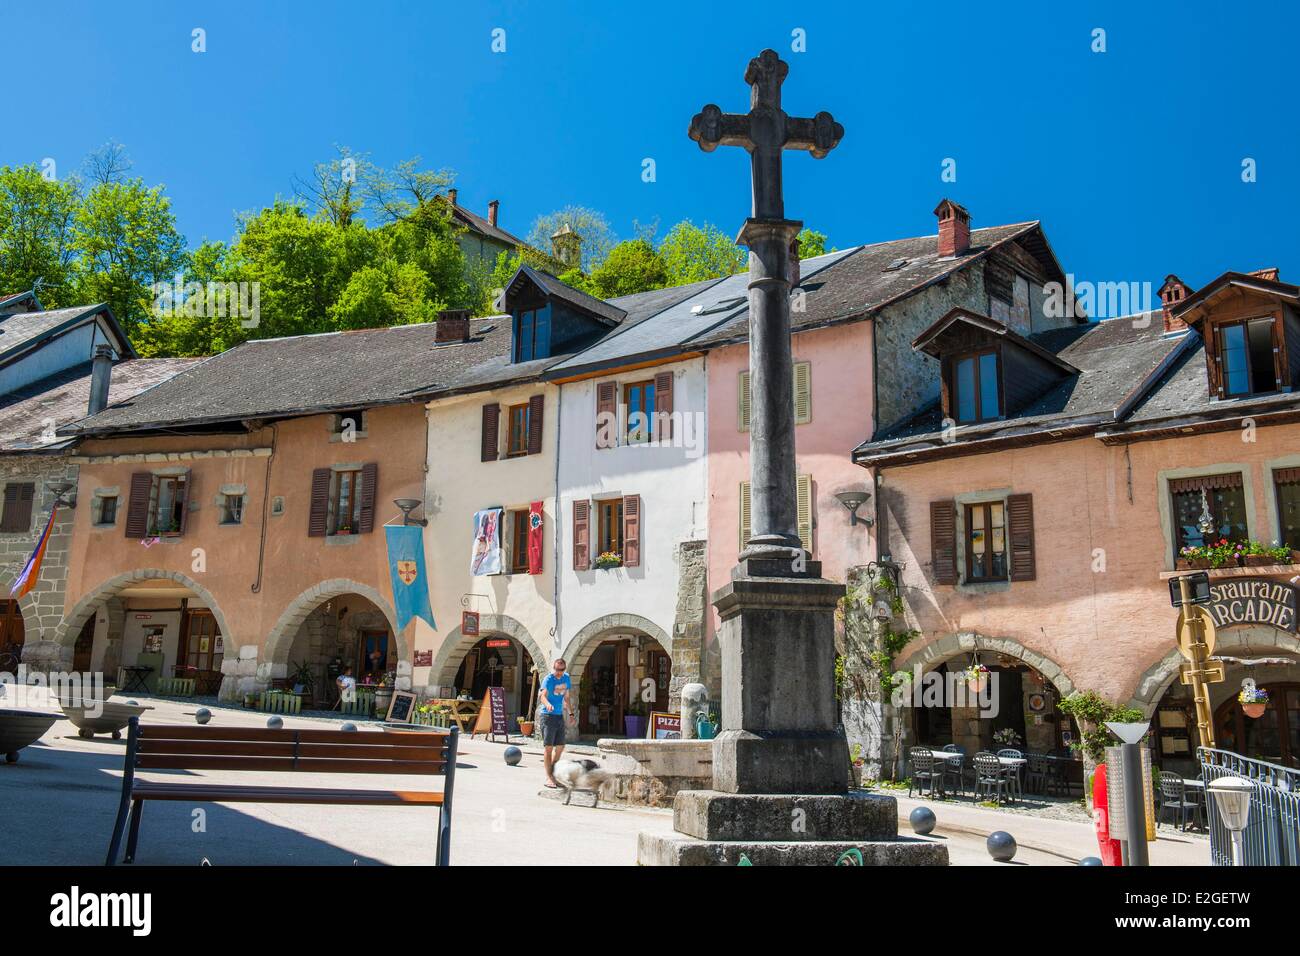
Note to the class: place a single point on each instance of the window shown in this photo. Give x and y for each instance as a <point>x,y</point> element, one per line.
<point>1287,483</point>
<point>609,527</point>
<point>802,396</point>
<point>533,334</point>
<point>804,512</point>
<point>975,388</point>
<point>1218,501</point>
<point>167,505</point>
<point>345,503</point>
<point>107,510</point>
<point>17,514</point>
<point>232,509</point>
<point>519,541</point>
<point>639,400</point>
<point>350,424</point>
<point>1246,356</point>
<point>517,432</point>
<point>986,542</point>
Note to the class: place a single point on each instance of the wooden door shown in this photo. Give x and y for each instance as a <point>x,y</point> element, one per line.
<point>659,668</point>
<point>198,642</point>
<point>621,687</point>
<point>374,651</point>
<point>12,633</point>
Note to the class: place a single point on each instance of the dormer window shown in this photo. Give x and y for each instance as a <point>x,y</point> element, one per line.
<point>1246,351</point>
<point>976,387</point>
<point>533,334</point>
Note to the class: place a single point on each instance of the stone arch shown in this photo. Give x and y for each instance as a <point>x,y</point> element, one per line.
<point>953,645</point>
<point>65,635</point>
<point>1155,680</point>
<point>456,645</point>
<point>279,642</point>
<point>583,644</point>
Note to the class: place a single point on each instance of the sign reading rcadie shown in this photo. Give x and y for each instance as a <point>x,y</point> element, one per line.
<point>1253,601</point>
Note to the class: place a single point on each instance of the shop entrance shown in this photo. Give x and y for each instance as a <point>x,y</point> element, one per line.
<point>623,681</point>
<point>496,661</point>
<point>1273,737</point>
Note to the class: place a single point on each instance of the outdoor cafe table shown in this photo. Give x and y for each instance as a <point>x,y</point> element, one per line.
<point>1005,761</point>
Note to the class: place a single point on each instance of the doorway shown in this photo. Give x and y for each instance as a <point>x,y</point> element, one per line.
<point>12,635</point>
<point>85,645</point>
<point>373,648</point>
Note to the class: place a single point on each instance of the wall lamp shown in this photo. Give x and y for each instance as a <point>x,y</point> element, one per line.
<point>853,500</point>
<point>61,490</point>
<point>406,506</point>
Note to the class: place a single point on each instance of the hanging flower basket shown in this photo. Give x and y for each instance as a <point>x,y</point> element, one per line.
<point>1253,700</point>
<point>1255,710</point>
<point>977,678</point>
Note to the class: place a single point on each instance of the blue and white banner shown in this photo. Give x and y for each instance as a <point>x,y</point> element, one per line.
<point>486,558</point>
<point>406,567</point>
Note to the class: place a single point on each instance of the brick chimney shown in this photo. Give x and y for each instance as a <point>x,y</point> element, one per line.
<point>493,206</point>
<point>451,195</point>
<point>954,228</point>
<point>453,326</point>
<point>1172,294</point>
<point>101,374</point>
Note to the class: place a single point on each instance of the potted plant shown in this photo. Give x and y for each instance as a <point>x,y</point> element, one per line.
<point>1254,700</point>
<point>856,764</point>
<point>384,694</point>
<point>525,725</point>
<point>609,559</point>
<point>977,677</point>
<point>634,721</point>
<point>1006,737</point>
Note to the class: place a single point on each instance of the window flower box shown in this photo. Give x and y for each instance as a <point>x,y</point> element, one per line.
<point>608,559</point>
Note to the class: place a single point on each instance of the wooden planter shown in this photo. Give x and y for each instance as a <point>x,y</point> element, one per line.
<point>1199,564</point>
<point>1257,561</point>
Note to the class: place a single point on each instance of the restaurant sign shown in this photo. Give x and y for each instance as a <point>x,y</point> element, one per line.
<point>1253,601</point>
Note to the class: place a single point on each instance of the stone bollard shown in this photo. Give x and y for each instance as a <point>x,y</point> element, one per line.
<point>695,701</point>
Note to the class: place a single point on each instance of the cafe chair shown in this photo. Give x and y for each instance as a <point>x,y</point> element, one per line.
<point>989,776</point>
<point>925,771</point>
<point>1174,801</point>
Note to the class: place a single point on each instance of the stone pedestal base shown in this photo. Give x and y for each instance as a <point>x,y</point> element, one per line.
<point>784,818</point>
<point>654,849</point>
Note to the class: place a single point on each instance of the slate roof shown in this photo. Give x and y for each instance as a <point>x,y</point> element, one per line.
<point>9,302</point>
<point>609,314</point>
<point>476,223</point>
<point>63,397</point>
<point>20,330</point>
<point>1118,360</point>
<point>309,374</point>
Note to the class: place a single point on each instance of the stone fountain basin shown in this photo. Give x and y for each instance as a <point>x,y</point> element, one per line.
<point>112,716</point>
<point>18,728</point>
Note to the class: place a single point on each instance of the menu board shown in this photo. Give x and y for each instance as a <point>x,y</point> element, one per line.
<point>492,715</point>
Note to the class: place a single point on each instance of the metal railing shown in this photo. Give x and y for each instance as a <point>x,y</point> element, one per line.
<point>1272,834</point>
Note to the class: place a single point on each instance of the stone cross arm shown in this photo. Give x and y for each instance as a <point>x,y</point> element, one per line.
<point>819,135</point>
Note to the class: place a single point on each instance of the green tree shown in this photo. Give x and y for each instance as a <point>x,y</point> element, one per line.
<point>126,242</point>
<point>36,235</point>
<point>692,253</point>
<point>631,266</point>
<point>812,243</point>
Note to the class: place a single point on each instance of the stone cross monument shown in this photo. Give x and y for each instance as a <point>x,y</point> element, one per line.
<point>780,764</point>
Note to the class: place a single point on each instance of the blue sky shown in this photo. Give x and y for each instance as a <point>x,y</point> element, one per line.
<point>1132,158</point>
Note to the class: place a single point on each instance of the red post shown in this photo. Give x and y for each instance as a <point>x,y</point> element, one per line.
<point>1110,848</point>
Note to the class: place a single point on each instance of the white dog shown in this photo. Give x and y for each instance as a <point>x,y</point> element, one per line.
<point>580,775</point>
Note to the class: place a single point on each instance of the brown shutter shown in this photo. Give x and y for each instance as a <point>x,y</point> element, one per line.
<point>606,411</point>
<point>663,406</point>
<point>631,531</point>
<point>137,510</point>
<point>185,501</point>
<point>1214,358</point>
<point>1020,521</point>
<point>536,406</point>
<point>318,520</point>
<point>491,427</point>
<point>369,485</point>
<point>18,507</point>
<point>581,535</point>
<point>943,541</point>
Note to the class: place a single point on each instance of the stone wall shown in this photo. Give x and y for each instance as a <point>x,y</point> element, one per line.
<point>43,606</point>
<point>688,623</point>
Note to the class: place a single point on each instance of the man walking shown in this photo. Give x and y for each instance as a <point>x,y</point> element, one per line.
<point>554,697</point>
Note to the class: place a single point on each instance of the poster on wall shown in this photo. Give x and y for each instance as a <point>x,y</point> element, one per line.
<point>486,556</point>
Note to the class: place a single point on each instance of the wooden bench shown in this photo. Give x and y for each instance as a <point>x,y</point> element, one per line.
<point>162,747</point>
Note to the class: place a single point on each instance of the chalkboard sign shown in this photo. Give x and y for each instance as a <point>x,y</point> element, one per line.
<point>401,708</point>
<point>492,715</point>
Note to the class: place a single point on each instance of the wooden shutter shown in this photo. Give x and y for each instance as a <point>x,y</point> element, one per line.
<point>1020,524</point>
<point>17,514</point>
<point>802,393</point>
<point>188,479</point>
<point>536,406</point>
<point>318,520</point>
<point>491,427</point>
<point>663,423</point>
<point>369,486</point>
<point>581,535</point>
<point>804,487</point>
<point>742,402</point>
<point>606,412</point>
<point>744,515</point>
<point>943,541</point>
<point>137,510</point>
<point>631,531</point>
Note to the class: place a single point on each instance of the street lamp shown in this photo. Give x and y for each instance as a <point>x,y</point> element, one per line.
<point>406,506</point>
<point>853,500</point>
<point>1136,779</point>
<point>1232,800</point>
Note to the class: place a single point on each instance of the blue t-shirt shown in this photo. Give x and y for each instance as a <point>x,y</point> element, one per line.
<point>556,689</point>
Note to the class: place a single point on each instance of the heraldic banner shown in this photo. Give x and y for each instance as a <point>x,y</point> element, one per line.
<point>406,566</point>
